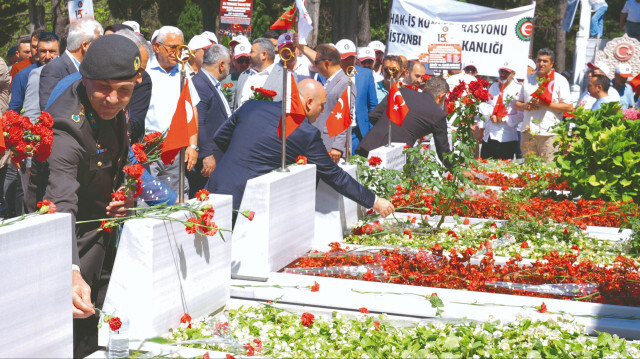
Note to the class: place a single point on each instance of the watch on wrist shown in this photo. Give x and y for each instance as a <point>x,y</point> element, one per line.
<point>195,147</point>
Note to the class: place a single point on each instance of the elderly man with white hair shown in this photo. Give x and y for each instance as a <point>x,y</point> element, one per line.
<point>164,71</point>
<point>81,34</point>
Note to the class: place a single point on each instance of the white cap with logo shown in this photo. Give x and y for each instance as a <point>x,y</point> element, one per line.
<point>346,48</point>
<point>376,46</point>
<point>366,53</point>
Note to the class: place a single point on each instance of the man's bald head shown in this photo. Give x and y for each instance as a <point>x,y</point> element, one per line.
<point>313,98</point>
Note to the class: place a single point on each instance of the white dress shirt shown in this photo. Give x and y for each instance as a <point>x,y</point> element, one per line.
<point>256,79</point>
<point>504,131</point>
<point>165,92</point>
<point>216,84</point>
<point>301,70</point>
<point>541,120</point>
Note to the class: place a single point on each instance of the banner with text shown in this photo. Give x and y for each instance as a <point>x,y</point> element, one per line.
<point>80,9</point>
<point>235,17</point>
<point>488,38</point>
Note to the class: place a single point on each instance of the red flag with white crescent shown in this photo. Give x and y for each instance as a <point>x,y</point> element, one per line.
<point>340,118</point>
<point>397,109</point>
<point>183,126</point>
<point>295,109</point>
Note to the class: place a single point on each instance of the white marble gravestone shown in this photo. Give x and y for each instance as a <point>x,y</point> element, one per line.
<point>161,272</point>
<point>392,157</point>
<point>335,214</point>
<point>35,299</point>
<point>283,227</point>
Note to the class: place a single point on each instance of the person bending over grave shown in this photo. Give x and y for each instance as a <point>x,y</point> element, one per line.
<point>252,148</point>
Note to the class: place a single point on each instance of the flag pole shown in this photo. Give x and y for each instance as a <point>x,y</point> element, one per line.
<point>351,72</point>
<point>392,71</point>
<point>183,53</point>
<point>283,119</point>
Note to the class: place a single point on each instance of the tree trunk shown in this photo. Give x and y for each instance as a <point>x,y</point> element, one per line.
<point>60,21</point>
<point>561,36</point>
<point>364,24</point>
<point>344,17</point>
<point>210,11</point>
<point>36,16</point>
<point>313,7</point>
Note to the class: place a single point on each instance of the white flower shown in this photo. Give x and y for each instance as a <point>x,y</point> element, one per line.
<point>497,334</point>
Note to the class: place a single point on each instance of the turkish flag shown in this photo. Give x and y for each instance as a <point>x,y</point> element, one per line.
<point>635,83</point>
<point>397,109</point>
<point>285,21</point>
<point>183,126</point>
<point>295,109</point>
<point>340,118</point>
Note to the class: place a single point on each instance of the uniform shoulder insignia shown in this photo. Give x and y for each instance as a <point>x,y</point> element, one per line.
<point>78,117</point>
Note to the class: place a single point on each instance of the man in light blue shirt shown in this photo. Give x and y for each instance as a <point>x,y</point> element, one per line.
<point>382,87</point>
<point>598,88</point>
<point>619,83</point>
<point>164,71</point>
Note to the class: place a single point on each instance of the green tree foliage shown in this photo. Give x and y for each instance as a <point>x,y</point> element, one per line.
<point>12,25</point>
<point>190,20</point>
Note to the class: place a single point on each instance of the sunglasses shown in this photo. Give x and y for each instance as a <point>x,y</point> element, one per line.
<point>318,61</point>
<point>367,61</point>
<point>242,60</point>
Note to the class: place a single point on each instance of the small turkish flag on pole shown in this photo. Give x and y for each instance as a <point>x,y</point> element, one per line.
<point>397,109</point>
<point>295,109</point>
<point>183,126</point>
<point>635,83</point>
<point>340,118</point>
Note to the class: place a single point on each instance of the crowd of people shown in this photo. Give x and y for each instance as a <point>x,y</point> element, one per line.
<point>111,87</point>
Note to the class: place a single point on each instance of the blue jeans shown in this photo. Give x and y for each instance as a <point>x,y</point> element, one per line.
<point>597,21</point>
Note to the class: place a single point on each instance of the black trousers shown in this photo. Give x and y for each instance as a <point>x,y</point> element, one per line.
<point>196,180</point>
<point>499,150</point>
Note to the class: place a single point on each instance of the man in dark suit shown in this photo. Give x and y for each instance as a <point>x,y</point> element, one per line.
<point>252,148</point>
<point>81,34</point>
<point>263,73</point>
<point>425,116</point>
<point>213,110</point>
<point>90,148</point>
<point>327,60</point>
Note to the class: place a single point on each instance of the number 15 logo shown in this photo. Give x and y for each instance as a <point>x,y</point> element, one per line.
<point>442,37</point>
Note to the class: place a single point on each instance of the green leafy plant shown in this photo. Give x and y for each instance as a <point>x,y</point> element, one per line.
<point>599,154</point>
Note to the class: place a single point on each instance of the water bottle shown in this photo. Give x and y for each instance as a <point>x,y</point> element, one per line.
<point>119,340</point>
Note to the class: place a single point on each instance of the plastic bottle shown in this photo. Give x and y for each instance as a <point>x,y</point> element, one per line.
<point>119,340</point>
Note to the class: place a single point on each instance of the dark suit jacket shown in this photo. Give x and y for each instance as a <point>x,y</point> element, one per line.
<point>366,100</point>
<point>252,148</point>
<point>334,90</point>
<point>211,115</point>
<point>56,70</point>
<point>424,117</point>
<point>78,179</point>
<point>138,107</point>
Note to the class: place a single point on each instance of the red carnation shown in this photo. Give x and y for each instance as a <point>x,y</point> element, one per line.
<point>375,161</point>
<point>45,119</point>
<point>192,225</point>
<point>301,160</point>
<point>138,152</point>
<point>250,350</point>
<point>151,136</point>
<point>115,323</point>
<point>46,206</point>
<point>307,319</point>
<point>524,245</point>
<point>251,215</point>
<point>186,318</point>
<point>376,325</point>
<point>106,226</point>
<point>364,310</point>
<point>118,196</point>
<point>202,195</point>
<point>543,308</point>
<point>315,287</point>
<point>135,170</point>
<point>229,356</point>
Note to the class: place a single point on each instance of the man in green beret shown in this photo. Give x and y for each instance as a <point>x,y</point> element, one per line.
<point>90,147</point>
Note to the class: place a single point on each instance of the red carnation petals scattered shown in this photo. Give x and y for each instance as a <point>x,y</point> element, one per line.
<point>46,206</point>
<point>202,195</point>
<point>543,308</point>
<point>186,318</point>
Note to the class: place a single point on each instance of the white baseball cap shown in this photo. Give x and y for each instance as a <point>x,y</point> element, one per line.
<point>599,65</point>
<point>507,66</point>
<point>242,49</point>
<point>469,64</point>
<point>346,48</point>
<point>238,39</point>
<point>285,39</point>
<point>210,36</point>
<point>376,46</point>
<point>134,25</point>
<point>624,70</point>
<point>531,63</point>
<point>199,42</point>
<point>154,36</point>
<point>366,53</point>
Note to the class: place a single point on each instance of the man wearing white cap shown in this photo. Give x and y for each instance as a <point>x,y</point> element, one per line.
<point>531,67</point>
<point>379,49</point>
<point>300,65</point>
<point>597,68</point>
<point>134,26</point>
<point>467,75</point>
<point>619,83</point>
<point>199,44</point>
<point>366,57</point>
<point>239,62</point>
<point>501,118</point>
<point>236,40</point>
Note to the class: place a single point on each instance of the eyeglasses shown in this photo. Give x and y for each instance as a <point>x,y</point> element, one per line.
<point>171,49</point>
<point>242,60</point>
<point>504,71</point>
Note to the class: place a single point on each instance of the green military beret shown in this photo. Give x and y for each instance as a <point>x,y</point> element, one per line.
<point>111,57</point>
